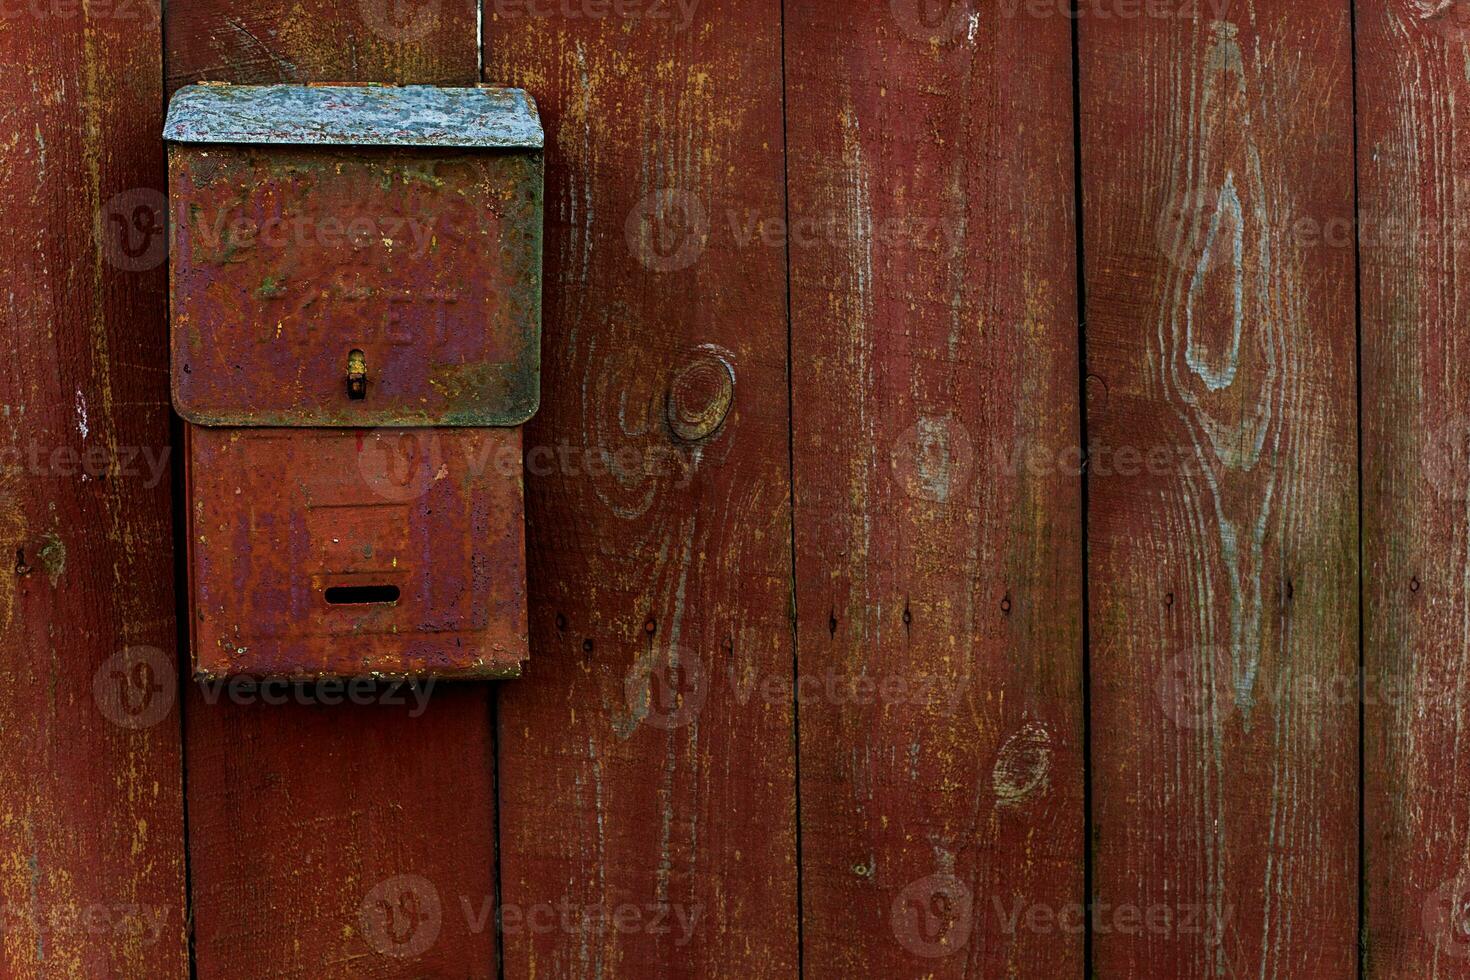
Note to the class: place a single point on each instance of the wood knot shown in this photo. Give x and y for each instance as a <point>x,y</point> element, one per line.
<point>700,395</point>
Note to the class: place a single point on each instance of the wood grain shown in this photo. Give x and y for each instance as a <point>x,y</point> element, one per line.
<point>405,41</point>
<point>91,800</point>
<point>355,839</point>
<point>646,757</point>
<point>1412,151</point>
<point>1217,207</point>
<point>937,479</point>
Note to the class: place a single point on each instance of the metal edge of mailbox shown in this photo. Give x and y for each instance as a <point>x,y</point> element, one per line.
<point>483,117</point>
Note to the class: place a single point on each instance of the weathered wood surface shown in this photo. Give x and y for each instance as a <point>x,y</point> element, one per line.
<point>647,764</point>
<point>91,801</point>
<point>260,41</point>
<point>1412,101</point>
<point>1216,170</point>
<point>937,486</point>
<point>355,839</point>
<point>909,166</point>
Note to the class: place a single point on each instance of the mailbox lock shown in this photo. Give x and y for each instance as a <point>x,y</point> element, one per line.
<point>356,375</point>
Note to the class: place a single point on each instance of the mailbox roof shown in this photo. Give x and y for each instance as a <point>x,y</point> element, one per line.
<point>355,115</point>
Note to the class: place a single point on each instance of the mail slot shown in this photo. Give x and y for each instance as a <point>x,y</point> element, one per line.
<point>355,277</point>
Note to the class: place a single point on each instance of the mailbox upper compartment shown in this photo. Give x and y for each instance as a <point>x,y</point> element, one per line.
<point>323,229</point>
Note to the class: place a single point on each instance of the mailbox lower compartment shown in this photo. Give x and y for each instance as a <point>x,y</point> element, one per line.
<point>356,552</point>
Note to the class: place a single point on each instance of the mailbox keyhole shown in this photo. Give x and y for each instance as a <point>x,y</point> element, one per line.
<point>361,595</point>
<point>356,375</point>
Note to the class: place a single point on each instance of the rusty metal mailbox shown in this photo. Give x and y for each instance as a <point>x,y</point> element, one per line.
<point>355,276</point>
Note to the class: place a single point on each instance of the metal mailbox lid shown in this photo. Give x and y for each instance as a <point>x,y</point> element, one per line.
<point>355,115</point>
<point>317,225</point>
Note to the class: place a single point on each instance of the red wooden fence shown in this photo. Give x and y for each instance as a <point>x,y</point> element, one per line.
<point>998,508</point>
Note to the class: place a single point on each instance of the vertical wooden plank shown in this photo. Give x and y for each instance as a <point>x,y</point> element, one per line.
<point>1412,153</point>
<point>1217,213</point>
<point>937,478</point>
<point>421,42</point>
<point>647,771</point>
<point>355,839</point>
<point>91,801</point>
